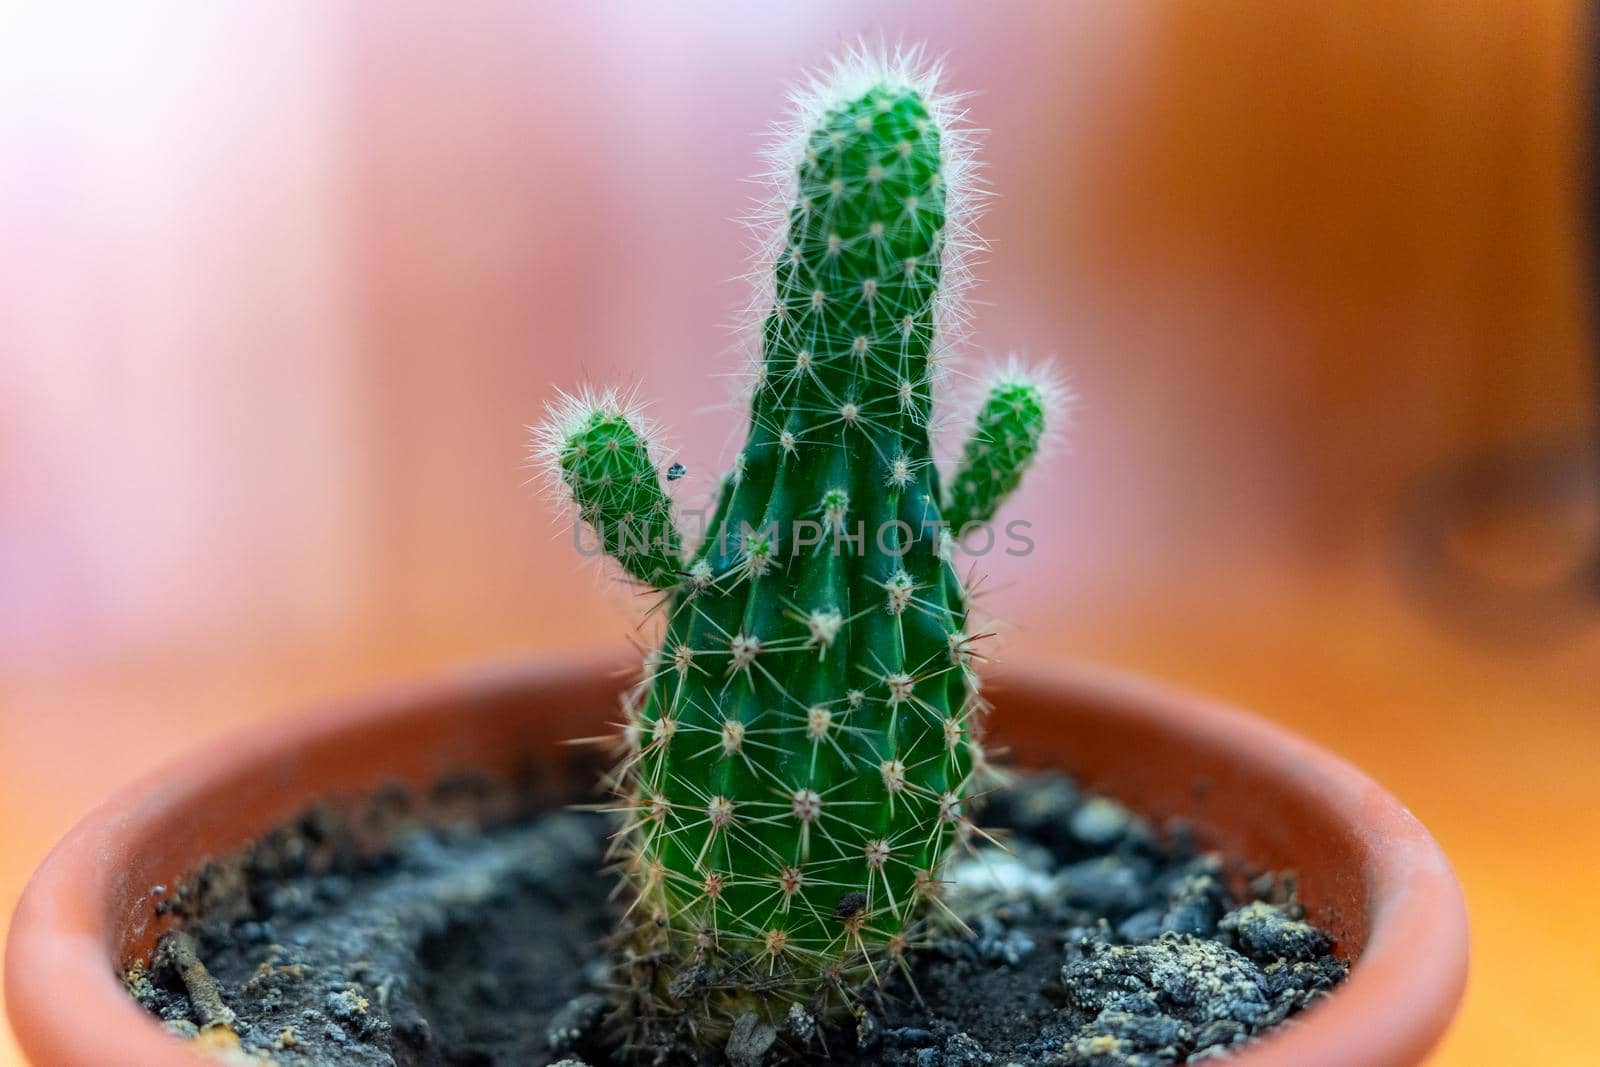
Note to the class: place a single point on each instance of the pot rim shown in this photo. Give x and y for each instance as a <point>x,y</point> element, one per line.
<point>69,1009</point>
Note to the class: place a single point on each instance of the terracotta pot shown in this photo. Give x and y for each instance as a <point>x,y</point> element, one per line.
<point>1369,872</point>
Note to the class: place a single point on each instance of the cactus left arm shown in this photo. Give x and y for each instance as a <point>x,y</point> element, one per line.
<point>602,456</point>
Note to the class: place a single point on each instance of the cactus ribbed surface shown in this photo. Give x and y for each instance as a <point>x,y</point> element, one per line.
<point>804,746</point>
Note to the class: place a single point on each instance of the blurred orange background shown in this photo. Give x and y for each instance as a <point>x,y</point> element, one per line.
<point>280,285</point>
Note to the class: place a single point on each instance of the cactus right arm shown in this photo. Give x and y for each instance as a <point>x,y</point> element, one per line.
<point>1010,427</point>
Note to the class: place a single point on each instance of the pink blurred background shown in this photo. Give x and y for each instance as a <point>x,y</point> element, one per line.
<point>281,285</point>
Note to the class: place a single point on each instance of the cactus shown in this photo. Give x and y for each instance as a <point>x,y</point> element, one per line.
<point>803,748</point>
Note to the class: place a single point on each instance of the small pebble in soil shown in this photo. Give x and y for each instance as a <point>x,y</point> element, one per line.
<point>800,1024</point>
<point>1264,932</point>
<point>749,1041</point>
<point>1092,940</point>
<point>576,1018</point>
<point>1100,822</point>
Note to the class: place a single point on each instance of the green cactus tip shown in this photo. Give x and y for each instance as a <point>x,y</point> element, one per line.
<point>804,747</point>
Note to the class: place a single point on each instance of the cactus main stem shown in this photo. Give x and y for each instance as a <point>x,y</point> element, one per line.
<point>806,738</point>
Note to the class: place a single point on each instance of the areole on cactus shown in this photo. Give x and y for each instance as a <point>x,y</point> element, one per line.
<point>805,744</point>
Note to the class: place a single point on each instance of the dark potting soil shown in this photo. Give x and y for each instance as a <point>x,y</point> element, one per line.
<point>1095,942</point>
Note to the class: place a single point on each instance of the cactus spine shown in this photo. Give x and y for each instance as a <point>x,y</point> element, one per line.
<point>804,744</point>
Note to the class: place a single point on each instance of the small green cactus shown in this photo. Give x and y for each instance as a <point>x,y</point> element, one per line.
<point>804,747</point>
